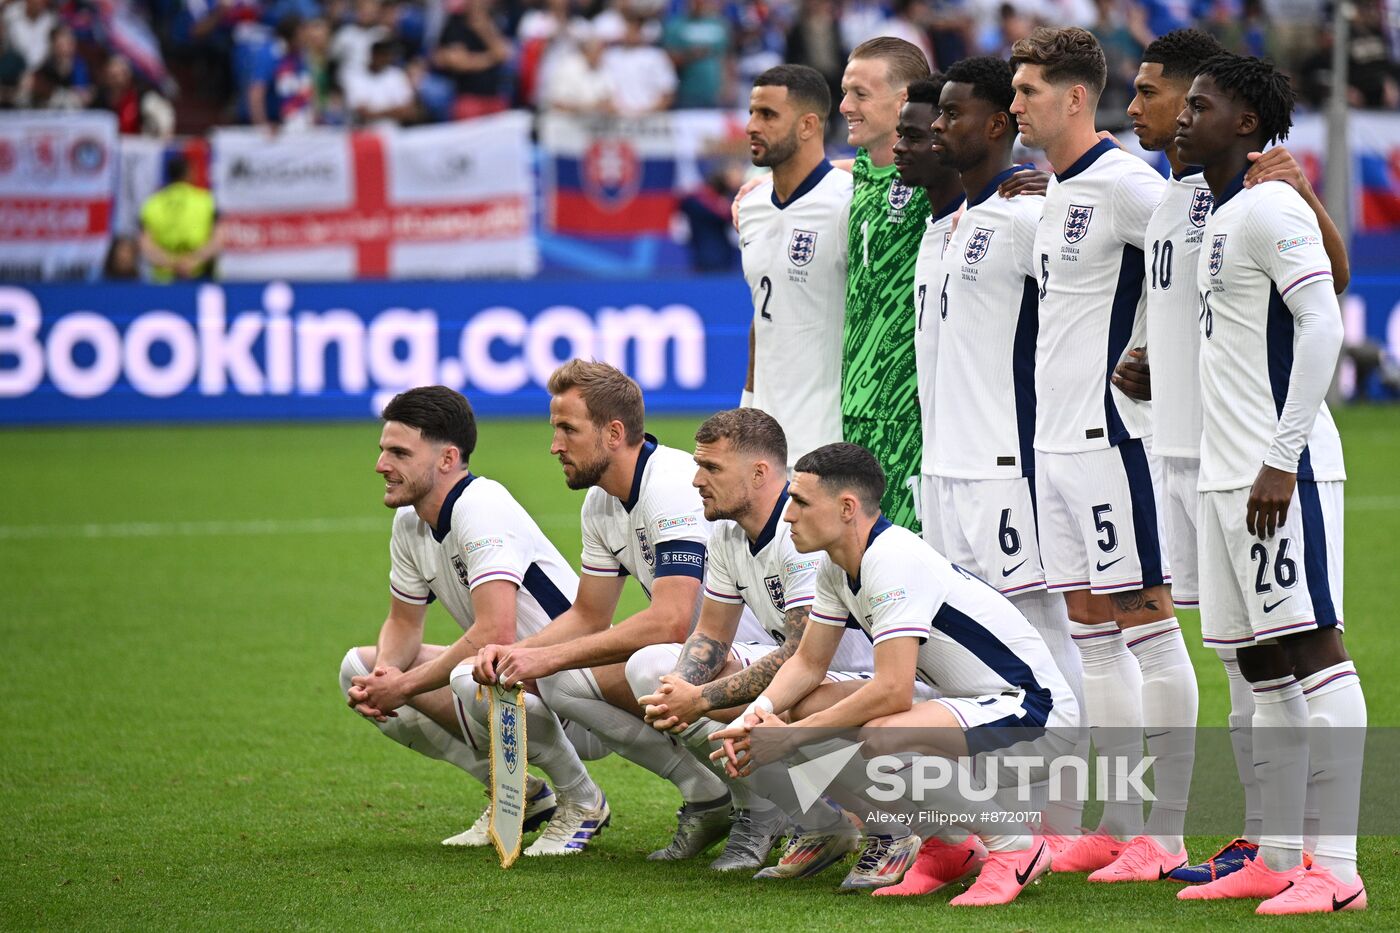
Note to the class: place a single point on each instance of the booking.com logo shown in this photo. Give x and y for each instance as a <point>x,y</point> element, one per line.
<point>891,777</point>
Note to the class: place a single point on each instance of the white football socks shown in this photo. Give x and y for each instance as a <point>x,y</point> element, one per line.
<point>1063,810</point>
<point>1281,768</point>
<point>412,729</point>
<point>1242,741</point>
<point>547,747</point>
<point>1336,710</point>
<point>571,694</point>
<point>1169,706</point>
<point>1113,711</point>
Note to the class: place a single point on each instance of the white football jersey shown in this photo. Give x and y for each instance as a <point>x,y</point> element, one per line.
<point>770,577</point>
<point>1089,265</point>
<point>482,534</point>
<point>984,394</point>
<point>974,641</point>
<point>1173,332</point>
<point>660,530</point>
<point>937,233</point>
<point>794,256</point>
<point>1261,244</point>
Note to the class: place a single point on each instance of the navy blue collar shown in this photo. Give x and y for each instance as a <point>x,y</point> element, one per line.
<point>808,183</point>
<point>1187,171</point>
<point>1235,186</point>
<point>765,537</point>
<point>882,524</point>
<point>995,183</point>
<point>649,444</point>
<point>948,208</point>
<point>1086,160</point>
<point>444,519</point>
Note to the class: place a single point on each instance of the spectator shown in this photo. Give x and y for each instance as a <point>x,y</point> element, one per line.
<point>70,72</point>
<point>180,237</point>
<point>1371,74</point>
<point>577,80</point>
<point>758,45</point>
<point>283,92</point>
<point>29,24</point>
<point>381,93</point>
<point>1121,29</point>
<point>1294,31</point>
<point>711,243</point>
<point>1014,26</point>
<point>546,34</point>
<point>861,20</point>
<point>350,49</point>
<point>642,76</point>
<point>123,260</point>
<point>909,21</point>
<point>815,40</point>
<point>11,68</point>
<point>472,52</point>
<point>698,43</point>
<point>118,93</point>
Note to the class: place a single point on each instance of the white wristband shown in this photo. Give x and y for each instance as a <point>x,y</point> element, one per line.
<point>762,703</point>
<point>746,399</point>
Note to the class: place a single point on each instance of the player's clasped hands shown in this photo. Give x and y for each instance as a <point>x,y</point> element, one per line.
<point>508,666</point>
<point>737,752</point>
<point>674,706</point>
<point>377,695</point>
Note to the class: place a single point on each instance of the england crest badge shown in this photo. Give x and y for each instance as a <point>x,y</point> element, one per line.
<point>802,247</point>
<point>900,193</point>
<point>460,566</point>
<point>1077,222</point>
<point>977,245</point>
<point>1201,203</point>
<point>1217,253</point>
<point>647,554</point>
<point>775,590</point>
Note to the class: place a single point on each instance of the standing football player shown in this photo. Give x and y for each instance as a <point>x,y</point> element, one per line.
<point>1271,479</point>
<point>1099,520</point>
<point>793,229</point>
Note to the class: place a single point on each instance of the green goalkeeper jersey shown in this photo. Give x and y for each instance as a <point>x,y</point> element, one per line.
<point>879,382</point>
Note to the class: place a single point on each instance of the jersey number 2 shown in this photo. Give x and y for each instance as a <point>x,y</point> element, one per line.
<point>766,284</point>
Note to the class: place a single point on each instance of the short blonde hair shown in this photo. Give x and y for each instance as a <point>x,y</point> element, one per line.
<point>607,391</point>
<point>904,61</point>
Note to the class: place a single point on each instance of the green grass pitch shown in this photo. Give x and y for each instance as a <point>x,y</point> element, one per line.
<point>175,605</point>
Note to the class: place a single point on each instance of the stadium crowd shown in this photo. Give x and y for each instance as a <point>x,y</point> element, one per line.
<point>294,63</point>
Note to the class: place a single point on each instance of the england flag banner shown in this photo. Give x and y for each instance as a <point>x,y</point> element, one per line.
<point>508,767</point>
<point>445,201</point>
<point>57,176</point>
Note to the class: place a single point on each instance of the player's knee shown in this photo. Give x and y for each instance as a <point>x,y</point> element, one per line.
<point>647,666</point>
<point>462,682</point>
<point>354,664</point>
<point>561,691</point>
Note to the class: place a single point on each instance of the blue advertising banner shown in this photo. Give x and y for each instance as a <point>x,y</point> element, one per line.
<point>278,351</point>
<point>84,353</point>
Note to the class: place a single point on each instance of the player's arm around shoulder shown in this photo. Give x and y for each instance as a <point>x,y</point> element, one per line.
<point>1134,197</point>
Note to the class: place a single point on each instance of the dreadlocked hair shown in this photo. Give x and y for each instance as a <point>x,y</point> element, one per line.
<point>1265,89</point>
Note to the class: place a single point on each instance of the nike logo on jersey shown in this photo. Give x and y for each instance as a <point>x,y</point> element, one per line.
<point>619,551</point>
<point>1100,566</point>
<point>1271,607</point>
<point>741,587</point>
<point>1338,905</point>
<point>1022,878</point>
<point>1155,735</point>
<point>1008,571</point>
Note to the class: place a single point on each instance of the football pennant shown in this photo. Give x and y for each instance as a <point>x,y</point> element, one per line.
<point>507,771</point>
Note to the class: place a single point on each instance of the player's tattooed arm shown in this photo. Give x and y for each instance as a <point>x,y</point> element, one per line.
<point>745,686</point>
<point>701,658</point>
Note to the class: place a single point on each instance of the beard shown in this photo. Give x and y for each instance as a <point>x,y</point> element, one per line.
<point>733,513</point>
<point>410,491</point>
<point>587,474</point>
<point>779,152</point>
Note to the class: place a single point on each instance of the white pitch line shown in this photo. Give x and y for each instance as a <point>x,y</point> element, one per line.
<point>267,526</point>
<point>1373,503</point>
